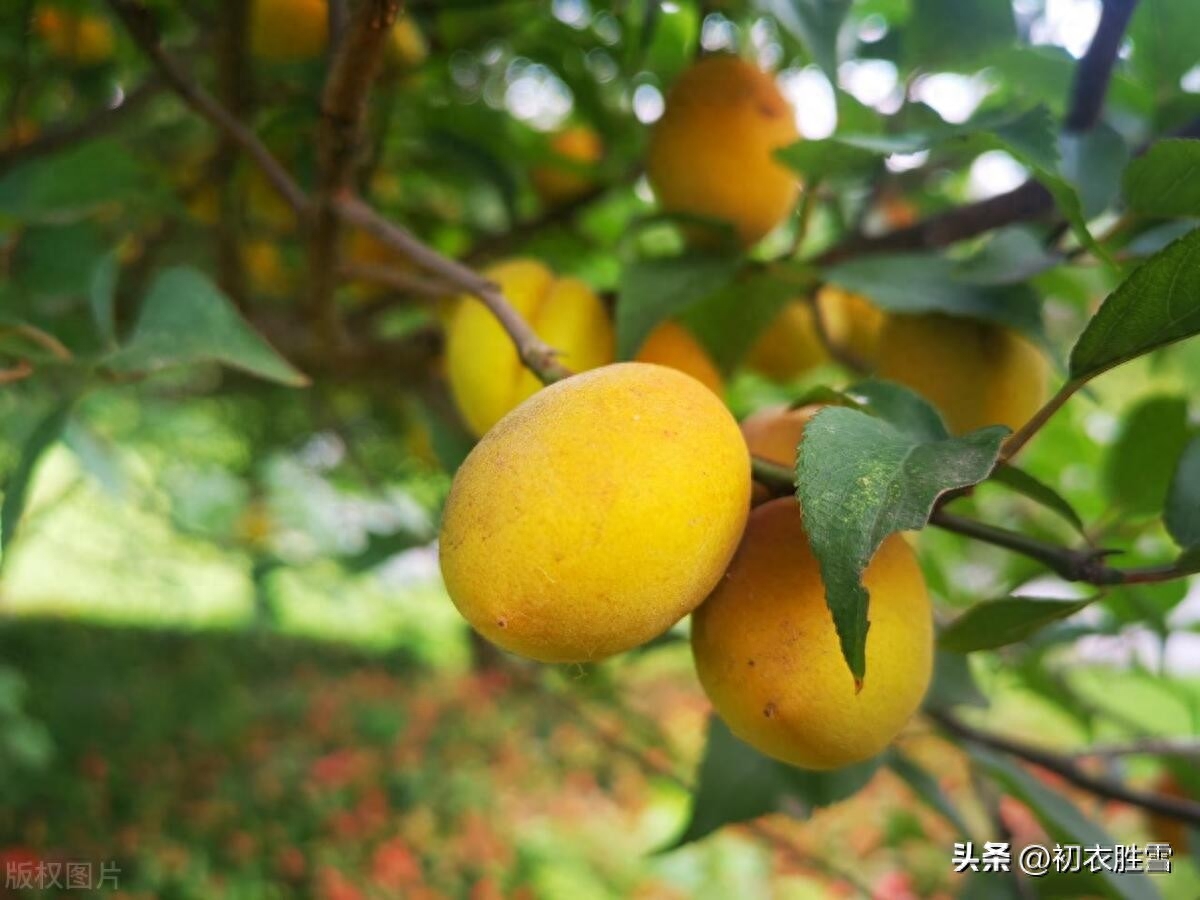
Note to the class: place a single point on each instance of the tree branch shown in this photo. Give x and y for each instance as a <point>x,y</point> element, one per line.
<point>1111,789</point>
<point>538,356</point>
<point>1149,746</point>
<point>234,89</point>
<point>397,279</point>
<point>355,65</point>
<point>1094,72</point>
<point>139,22</point>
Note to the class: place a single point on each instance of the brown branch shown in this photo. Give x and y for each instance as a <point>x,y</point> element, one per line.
<point>397,279</point>
<point>1094,72</point>
<point>19,372</point>
<point>139,22</point>
<point>1149,746</point>
<point>1109,788</point>
<point>99,123</point>
<point>538,356</point>
<point>355,65</point>
<point>234,88</point>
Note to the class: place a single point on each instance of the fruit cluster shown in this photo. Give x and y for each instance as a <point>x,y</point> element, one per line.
<point>596,513</point>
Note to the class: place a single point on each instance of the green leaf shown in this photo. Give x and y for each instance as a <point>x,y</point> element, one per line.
<point>58,260</point>
<point>1164,182</point>
<point>948,34</point>
<point>185,320</point>
<point>1138,467</point>
<point>16,488</point>
<point>654,290</point>
<point>919,283</point>
<point>98,458</point>
<point>382,547</point>
<point>907,410</point>
<point>737,783</point>
<point>1092,161</point>
<point>102,298</point>
<point>1063,821</point>
<point>1166,43</point>
<point>1038,491</point>
<point>815,24</point>
<point>1183,498</point>
<point>1158,304</point>
<point>995,623</point>
<point>861,478</point>
<point>731,320</point>
<point>953,684</point>
<point>926,787</point>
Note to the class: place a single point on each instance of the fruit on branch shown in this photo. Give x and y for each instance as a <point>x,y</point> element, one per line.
<point>596,514</point>
<point>791,346</point>
<point>78,38</point>
<point>768,656</point>
<point>576,150</point>
<point>976,373</point>
<point>710,155</point>
<point>291,31</point>
<point>773,433</point>
<point>672,345</point>
<point>485,370</point>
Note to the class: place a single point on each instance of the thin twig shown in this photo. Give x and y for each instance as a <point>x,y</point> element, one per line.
<point>538,356</point>
<point>1017,440</point>
<point>1065,768</point>
<point>397,280</point>
<point>1094,72</point>
<point>234,87</point>
<point>1148,746</point>
<point>139,22</point>
<point>19,372</point>
<point>352,71</point>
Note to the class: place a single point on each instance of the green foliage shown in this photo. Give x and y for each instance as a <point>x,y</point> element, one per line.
<point>1141,461</point>
<point>1183,498</point>
<point>1023,483</point>
<point>16,489</point>
<point>1162,181</point>
<point>655,290</point>
<point>996,623</point>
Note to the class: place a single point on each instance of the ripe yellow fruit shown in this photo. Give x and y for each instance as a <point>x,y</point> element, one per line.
<point>266,270</point>
<point>285,31</point>
<point>81,39</point>
<point>791,345</point>
<point>768,656</point>
<point>597,514</point>
<point>975,373</point>
<point>672,345</point>
<point>578,148</point>
<point>711,153</point>
<point>774,434</point>
<point>486,375</point>
<point>407,47</point>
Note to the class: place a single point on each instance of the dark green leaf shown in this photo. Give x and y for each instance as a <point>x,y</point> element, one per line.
<point>1038,491</point>
<point>1183,499</point>
<point>185,319</point>
<point>1063,821</point>
<point>737,783</point>
<point>655,290</point>
<point>102,297</point>
<point>1156,305</point>
<point>927,788</point>
<point>815,23</point>
<point>1165,180</point>
<point>382,547</point>
<point>16,488</point>
<point>861,478</point>
<point>57,260</point>
<point>729,322</point>
<point>995,623</point>
<point>953,684</point>
<point>1092,162</point>
<point>908,411</point>
<point>1166,43</point>
<point>948,34</point>
<point>1139,464</point>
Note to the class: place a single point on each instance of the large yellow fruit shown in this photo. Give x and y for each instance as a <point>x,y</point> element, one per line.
<point>596,514</point>
<point>672,345</point>
<point>774,434</point>
<point>790,345</point>
<point>78,38</point>
<point>577,148</point>
<point>768,656</point>
<point>711,153</point>
<point>486,374</point>
<point>975,373</point>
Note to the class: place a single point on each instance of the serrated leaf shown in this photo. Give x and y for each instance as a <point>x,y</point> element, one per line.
<point>654,290</point>
<point>815,24</point>
<point>1139,464</point>
<point>1038,491</point>
<point>16,488</point>
<point>730,321</point>
<point>919,283</point>
<point>906,409</point>
<point>737,783</point>
<point>1158,304</point>
<point>1183,498</point>
<point>102,296</point>
<point>995,623</point>
<point>185,320</point>
<point>1165,180</point>
<point>1063,821</point>
<point>862,478</point>
<point>926,787</point>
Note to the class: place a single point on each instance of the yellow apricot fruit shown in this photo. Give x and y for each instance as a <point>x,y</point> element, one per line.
<point>851,320</point>
<point>288,31</point>
<point>407,47</point>
<point>711,152</point>
<point>768,655</point>
<point>81,39</point>
<point>774,434</point>
<point>577,149</point>
<point>976,373</point>
<point>789,346</point>
<point>266,270</point>
<point>596,514</point>
<point>486,375</point>
<point>672,345</point>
